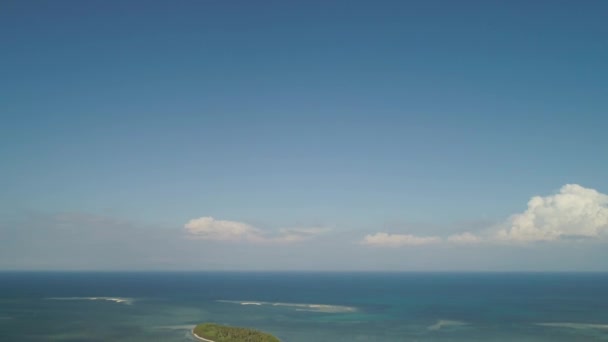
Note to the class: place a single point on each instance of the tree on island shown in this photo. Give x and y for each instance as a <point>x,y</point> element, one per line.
<point>222,333</point>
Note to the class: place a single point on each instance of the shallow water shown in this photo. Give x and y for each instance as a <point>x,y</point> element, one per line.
<point>298,307</point>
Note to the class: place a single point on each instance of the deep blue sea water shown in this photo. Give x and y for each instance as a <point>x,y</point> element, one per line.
<point>298,307</point>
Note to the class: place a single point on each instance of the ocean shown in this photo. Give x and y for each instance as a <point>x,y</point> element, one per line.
<point>305,306</point>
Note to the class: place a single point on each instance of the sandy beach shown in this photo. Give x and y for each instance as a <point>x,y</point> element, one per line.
<point>200,338</point>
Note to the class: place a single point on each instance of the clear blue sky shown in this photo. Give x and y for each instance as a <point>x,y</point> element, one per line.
<point>122,121</point>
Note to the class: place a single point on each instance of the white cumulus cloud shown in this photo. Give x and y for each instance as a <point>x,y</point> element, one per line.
<point>574,212</point>
<point>398,240</point>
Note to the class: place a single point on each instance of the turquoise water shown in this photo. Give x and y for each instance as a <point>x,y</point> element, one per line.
<point>298,307</point>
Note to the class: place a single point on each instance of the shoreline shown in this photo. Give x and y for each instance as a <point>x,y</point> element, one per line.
<point>200,338</point>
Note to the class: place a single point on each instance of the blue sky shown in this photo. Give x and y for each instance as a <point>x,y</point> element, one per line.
<point>385,135</point>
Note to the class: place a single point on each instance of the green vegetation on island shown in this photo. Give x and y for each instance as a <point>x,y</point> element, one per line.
<point>223,333</point>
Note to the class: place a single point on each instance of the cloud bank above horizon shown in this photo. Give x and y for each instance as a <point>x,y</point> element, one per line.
<point>562,231</point>
<point>574,213</point>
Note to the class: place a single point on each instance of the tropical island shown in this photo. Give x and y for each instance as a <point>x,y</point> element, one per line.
<point>211,332</point>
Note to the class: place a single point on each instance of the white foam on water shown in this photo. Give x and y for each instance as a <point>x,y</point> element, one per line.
<point>443,323</point>
<point>119,300</point>
<point>299,306</point>
<point>573,325</point>
<point>177,327</point>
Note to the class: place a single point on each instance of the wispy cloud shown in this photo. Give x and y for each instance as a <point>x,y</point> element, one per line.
<point>299,234</point>
<point>208,228</point>
<point>398,240</point>
<point>77,240</point>
<point>464,238</point>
